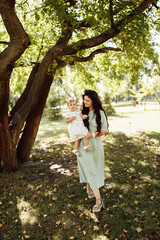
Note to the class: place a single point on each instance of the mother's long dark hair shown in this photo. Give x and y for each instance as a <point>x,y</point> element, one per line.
<point>97,106</point>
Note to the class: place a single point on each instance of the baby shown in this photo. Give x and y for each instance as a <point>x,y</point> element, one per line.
<point>76,127</point>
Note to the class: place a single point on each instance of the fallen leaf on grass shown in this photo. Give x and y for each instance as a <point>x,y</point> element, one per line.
<point>58,222</point>
<point>54,198</point>
<point>95,228</point>
<point>139,229</point>
<point>122,235</point>
<point>136,202</point>
<point>107,231</point>
<point>26,236</point>
<point>71,196</point>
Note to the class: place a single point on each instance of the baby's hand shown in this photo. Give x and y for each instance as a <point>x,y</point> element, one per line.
<point>73,118</point>
<point>85,116</point>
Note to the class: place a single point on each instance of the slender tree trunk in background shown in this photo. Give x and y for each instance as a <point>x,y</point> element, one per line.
<point>24,95</point>
<point>32,123</point>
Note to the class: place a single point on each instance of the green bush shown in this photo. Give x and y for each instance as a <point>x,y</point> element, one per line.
<point>53,109</point>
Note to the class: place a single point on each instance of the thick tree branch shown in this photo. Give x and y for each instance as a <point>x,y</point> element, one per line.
<point>111,12</point>
<point>92,55</point>
<point>62,63</point>
<point>24,95</point>
<point>41,47</point>
<point>155,5</point>
<point>19,39</point>
<point>4,42</point>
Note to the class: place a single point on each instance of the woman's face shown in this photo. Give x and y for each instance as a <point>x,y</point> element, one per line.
<point>87,101</point>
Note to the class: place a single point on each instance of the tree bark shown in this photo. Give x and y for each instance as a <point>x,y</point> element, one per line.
<point>24,95</point>
<point>19,41</point>
<point>32,123</point>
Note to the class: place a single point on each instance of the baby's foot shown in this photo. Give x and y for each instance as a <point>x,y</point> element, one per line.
<point>88,148</point>
<point>75,151</point>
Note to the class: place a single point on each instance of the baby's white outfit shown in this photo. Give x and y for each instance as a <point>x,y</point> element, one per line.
<point>76,128</point>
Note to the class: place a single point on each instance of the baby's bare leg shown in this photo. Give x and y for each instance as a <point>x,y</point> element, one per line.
<point>86,144</point>
<point>85,140</point>
<point>77,144</point>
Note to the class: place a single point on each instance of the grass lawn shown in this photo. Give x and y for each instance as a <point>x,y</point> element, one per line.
<point>44,199</point>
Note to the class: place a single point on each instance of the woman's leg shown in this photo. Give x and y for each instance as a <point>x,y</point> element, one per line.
<point>99,203</point>
<point>89,191</point>
<point>97,196</point>
<point>89,188</point>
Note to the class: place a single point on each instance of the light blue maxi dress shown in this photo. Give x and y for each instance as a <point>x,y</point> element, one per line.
<point>91,164</point>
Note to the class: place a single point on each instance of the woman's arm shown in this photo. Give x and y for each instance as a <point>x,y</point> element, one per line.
<point>69,120</point>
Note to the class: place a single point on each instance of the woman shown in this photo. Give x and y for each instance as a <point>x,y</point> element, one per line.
<point>91,164</point>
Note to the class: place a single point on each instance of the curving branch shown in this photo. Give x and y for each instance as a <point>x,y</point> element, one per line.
<point>4,42</point>
<point>92,55</point>
<point>111,12</point>
<point>62,63</point>
<point>41,47</point>
<point>155,5</point>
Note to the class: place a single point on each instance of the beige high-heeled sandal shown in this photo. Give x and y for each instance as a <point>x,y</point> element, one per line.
<point>97,208</point>
<point>90,194</point>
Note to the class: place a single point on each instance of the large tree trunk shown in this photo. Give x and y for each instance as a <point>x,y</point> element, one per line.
<point>8,156</point>
<point>19,41</point>
<point>32,123</point>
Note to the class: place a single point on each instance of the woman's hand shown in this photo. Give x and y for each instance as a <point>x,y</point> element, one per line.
<point>85,116</point>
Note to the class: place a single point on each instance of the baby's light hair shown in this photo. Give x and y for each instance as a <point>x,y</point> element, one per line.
<point>71,99</point>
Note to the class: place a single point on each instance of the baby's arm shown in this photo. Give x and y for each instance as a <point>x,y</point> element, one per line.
<point>69,120</point>
<point>83,116</point>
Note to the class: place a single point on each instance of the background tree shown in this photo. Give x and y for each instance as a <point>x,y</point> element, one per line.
<point>62,33</point>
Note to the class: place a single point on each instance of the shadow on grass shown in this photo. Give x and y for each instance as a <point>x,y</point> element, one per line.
<point>44,199</point>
